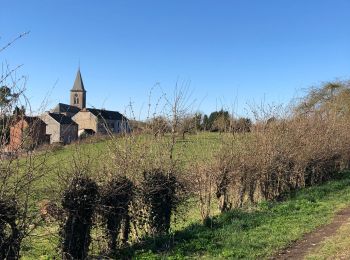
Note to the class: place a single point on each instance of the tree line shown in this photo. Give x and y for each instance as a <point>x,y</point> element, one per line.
<point>218,121</point>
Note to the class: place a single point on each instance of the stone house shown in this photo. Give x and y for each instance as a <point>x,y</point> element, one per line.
<point>100,121</point>
<point>26,133</point>
<point>60,128</point>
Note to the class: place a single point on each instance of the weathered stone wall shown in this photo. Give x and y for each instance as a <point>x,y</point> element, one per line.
<point>52,128</point>
<point>81,99</point>
<point>85,120</point>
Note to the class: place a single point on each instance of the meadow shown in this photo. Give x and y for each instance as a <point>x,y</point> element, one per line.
<point>94,154</point>
<point>253,231</point>
<point>174,190</point>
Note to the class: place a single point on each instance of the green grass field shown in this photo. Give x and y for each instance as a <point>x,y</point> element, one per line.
<point>43,242</point>
<point>255,232</point>
<point>97,152</point>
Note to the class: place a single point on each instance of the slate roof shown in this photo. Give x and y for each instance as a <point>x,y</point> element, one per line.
<point>62,108</point>
<point>78,83</point>
<point>107,114</point>
<point>62,119</point>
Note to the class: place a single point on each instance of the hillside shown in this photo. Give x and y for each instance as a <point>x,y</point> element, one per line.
<point>251,232</point>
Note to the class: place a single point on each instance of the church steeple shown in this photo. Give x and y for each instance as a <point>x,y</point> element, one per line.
<point>78,83</point>
<point>78,92</point>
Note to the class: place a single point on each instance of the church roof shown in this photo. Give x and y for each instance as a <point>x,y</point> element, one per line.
<point>78,83</point>
<point>106,114</point>
<point>62,119</point>
<point>64,108</point>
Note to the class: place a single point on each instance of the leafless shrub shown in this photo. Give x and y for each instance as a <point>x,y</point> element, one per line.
<point>203,178</point>
<point>159,194</point>
<point>158,126</point>
<point>156,193</point>
<point>188,124</point>
<point>294,150</point>
<point>116,197</point>
<point>50,212</point>
<point>10,233</point>
<point>20,167</point>
<point>79,201</point>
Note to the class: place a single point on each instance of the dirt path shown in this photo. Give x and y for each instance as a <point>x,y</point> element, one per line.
<point>302,247</point>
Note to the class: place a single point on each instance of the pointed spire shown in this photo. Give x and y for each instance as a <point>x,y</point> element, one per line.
<point>78,83</point>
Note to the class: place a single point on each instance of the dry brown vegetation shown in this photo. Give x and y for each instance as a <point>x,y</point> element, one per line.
<point>134,192</point>
<point>283,151</point>
<point>301,148</point>
<point>17,176</point>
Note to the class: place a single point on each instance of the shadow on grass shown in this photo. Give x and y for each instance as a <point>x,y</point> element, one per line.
<point>240,224</point>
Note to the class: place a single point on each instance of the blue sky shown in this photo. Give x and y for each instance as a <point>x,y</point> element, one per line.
<point>233,53</point>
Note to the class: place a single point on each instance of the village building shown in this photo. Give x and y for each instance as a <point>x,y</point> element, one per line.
<point>64,123</point>
<point>60,128</point>
<point>26,133</point>
<point>89,120</point>
<point>99,121</point>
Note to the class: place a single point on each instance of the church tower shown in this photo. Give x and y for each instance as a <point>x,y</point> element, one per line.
<point>78,93</point>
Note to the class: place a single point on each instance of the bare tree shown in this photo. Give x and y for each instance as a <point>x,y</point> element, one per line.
<point>19,169</point>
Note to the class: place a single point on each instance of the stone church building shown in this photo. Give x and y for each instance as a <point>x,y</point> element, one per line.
<point>65,123</point>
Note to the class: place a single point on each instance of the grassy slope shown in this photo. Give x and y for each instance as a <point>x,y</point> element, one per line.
<point>261,232</point>
<point>192,148</point>
<point>43,242</point>
<point>241,233</point>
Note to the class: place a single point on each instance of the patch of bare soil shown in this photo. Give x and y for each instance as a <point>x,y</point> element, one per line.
<point>302,247</point>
